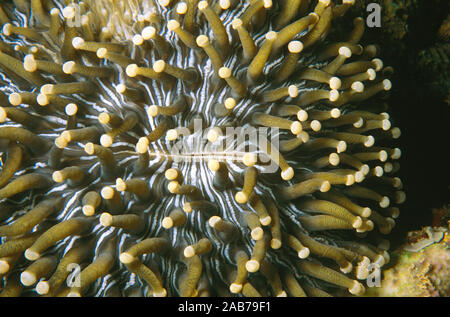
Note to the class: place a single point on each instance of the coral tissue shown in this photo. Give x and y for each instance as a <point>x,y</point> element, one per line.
<point>115,160</point>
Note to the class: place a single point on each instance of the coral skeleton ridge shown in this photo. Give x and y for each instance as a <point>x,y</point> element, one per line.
<point>116,155</point>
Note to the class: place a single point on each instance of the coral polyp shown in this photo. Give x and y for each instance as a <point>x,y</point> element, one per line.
<point>128,139</point>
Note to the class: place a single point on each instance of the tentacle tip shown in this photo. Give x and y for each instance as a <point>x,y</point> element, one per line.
<point>249,159</point>
<point>89,148</point>
<point>189,252</point>
<point>397,153</point>
<point>126,258</point>
<point>88,210</point>
<point>334,159</point>
<point>148,32</point>
<point>3,115</point>
<point>171,174</point>
<point>42,100</point>
<point>173,187</point>
<point>357,223</point>
<point>224,72</point>
<point>257,233</point>
<point>357,288</point>
<point>58,177</point>
<point>335,113</point>
<point>137,39</point>
<point>384,202</point>
<point>202,5</point>
<point>230,103</point>
<point>287,174</point>
<point>69,12</point>
<point>106,219</point>
<point>159,66</point>
<point>252,266</point>
<point>296,127</point>
<point>347,269</point>
<point>167,223</point>
<point>271,35</point>
<point>370,141</point>
<point>235,288</point>
<point>213,135</point>
<point>202,40</point>
<point>71,109</point>
<point>28,278</point>
<point>173,25</point>
<point>142,145</point>
<point>302,115</point>
<point>395,132</point>
<point>171,134</point>
<point>267,4</point>
<point>341,147</point>
<point>187,207</point>
<point>107,192</point>
<point>214,220</point>
<point>237,23</point>
<point>241,197</point>
<point>15,99</point>
<point>224,4</point>
<point>400,197</point>
<point>102,52</point>
<point>78,42</point>
<point>132,70</point>
<point>335,83</point>
<point>29,63</point>
<point>365,169</point>
<point>304,253</point>
<point>214,165</point>
<point>275,244</point>
<point>350,180</point>
<point>295,47</point>
<point>334,95</point>
<point>386,256</point>
<point>121,186</point>
<point>380,260</point>
<point>282,294</point>
<point>345,51</point>
<point>359,176</point>
<point>106,140</point>
<point>4,266</point>
<point>161,293</point>
<point>265,221</point>
<point>7,29</point>
<point>43,288</point>
<point>366,212</point>
<point>362,272</point>
<point>316,126</point>
<point>325,186</point>
<point>31,255</point>
<point>360,122</point>
<point>69,67</point>
<point>61,142</point>
<point>293,91</point>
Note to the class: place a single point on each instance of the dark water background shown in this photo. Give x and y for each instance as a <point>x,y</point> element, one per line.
<point>412,40</point>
